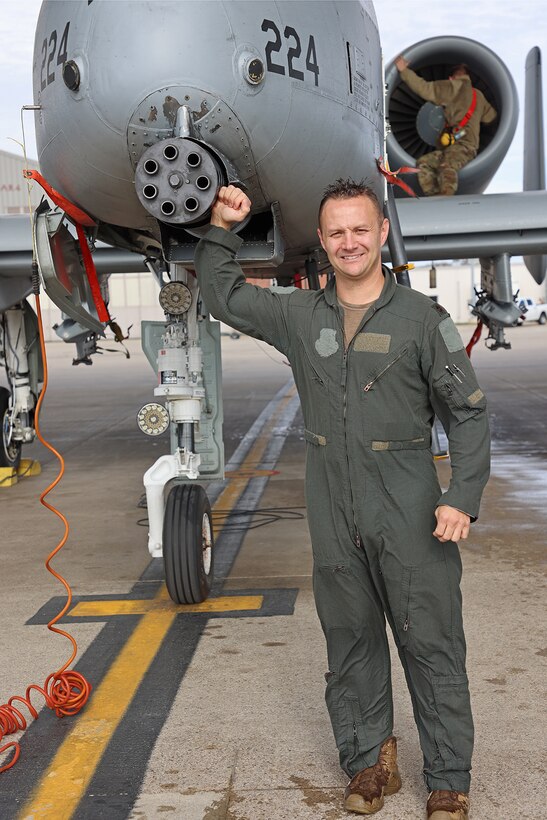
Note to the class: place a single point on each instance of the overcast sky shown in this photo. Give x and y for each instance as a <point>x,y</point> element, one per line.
<point>508,28</point>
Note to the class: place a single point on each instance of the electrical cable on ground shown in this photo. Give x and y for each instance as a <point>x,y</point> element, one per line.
<point>264,516</point>
<point>65,691</point>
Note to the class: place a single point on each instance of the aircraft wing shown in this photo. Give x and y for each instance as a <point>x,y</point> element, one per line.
<point>16,258</point>
<point>484,225</point>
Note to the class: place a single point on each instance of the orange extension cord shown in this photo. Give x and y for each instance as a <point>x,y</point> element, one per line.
<point>65,690</point>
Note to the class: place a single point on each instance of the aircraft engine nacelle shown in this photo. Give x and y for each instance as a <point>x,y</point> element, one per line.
<point>432,59</point>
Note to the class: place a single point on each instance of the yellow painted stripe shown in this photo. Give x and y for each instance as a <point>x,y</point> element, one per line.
<point>228,603</point>
<point>69,773</point>
<point>78,756</point>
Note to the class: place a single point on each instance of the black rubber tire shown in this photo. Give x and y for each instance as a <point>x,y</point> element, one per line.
<point>9,456</point>
<point>184,544</point>
<point>542,319</point>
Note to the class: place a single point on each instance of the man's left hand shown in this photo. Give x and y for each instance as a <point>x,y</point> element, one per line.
<point>401,63</point>
<point>452,524</point>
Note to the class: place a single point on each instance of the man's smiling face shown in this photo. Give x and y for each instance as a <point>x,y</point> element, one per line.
<point>352,233</point>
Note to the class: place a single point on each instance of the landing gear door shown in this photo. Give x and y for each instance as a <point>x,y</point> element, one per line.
<point>63,272</point>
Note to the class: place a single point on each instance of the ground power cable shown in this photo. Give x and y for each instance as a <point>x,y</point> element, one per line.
<point>64,691</point>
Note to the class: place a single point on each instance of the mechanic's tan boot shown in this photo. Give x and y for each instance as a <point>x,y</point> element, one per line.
<point>446,805</point>
<point>365,792</point>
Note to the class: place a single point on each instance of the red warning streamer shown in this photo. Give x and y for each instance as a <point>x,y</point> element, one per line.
<point>81,220</point>
<point>474,338</point>
<point>393,176</point>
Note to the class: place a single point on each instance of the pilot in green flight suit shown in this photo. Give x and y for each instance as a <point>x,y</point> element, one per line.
<point>383,533</point>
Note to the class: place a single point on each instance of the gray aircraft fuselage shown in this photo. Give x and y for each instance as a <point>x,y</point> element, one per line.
<point>316,114</point>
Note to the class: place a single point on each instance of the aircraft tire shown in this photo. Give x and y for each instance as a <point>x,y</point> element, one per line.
<point>188,544</point>
<point>10,454</point>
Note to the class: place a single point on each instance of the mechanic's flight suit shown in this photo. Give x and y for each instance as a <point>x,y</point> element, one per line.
<point>438,170</point>
<point>371,491</point>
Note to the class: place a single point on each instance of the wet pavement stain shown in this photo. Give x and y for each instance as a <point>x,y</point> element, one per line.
<point>314,796</point>
<point>274,643</point>
<point>498,681</point>
<point>232,813</point>
<point>218,810</point>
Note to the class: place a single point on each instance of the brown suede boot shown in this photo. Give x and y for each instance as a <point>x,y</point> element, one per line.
<point>446,805</point>
<point>365,792</point>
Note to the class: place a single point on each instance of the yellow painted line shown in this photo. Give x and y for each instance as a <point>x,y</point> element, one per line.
<point>70,772</point>
<point>250,473</point>
<point>228,603</point>
<point>73,766</point>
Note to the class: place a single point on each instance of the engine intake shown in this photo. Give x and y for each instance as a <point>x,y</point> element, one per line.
<point>432,59</point>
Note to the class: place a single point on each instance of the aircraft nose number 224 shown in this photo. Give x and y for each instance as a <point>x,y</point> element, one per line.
<point>274,46</point>
<point>293,52</point>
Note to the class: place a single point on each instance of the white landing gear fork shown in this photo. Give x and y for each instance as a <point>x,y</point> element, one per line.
<point>180,528</point>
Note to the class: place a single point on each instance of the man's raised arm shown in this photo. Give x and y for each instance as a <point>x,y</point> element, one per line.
<point>252,310</point>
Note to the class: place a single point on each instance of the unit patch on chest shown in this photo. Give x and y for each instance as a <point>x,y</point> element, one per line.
<point>327,345</point>
<point>372,342</point>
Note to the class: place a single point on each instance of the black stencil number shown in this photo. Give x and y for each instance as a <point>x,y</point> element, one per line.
<point>63,47</point>
<point>272,46</point>
<point>49,47</point>
<point>311,60</point>
<point>294,52</point>
<point>44,57</point>
<point>52,47</point>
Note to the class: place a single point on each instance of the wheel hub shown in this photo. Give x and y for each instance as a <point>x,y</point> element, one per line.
<point>206,543</point>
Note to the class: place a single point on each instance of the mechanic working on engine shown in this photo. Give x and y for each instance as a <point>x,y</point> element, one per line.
<point>465,109</point>
<point>373,363</point>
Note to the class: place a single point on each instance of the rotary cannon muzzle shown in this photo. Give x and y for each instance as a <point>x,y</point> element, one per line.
<point>177,181</point>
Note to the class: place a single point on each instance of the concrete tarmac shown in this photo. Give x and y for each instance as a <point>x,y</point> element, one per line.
<point>228,720</point>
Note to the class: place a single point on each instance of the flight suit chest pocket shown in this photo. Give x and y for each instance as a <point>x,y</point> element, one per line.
<point>382,371</point>
<point>388,407</point>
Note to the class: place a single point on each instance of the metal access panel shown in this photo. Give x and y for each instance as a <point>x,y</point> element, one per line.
<point>62,269</point>
<point>209,441</point>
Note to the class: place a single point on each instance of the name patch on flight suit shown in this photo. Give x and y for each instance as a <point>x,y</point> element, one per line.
<point>372,342</point>
<point>452,338</point>
<point>327,345</point>
<point>475,397</point>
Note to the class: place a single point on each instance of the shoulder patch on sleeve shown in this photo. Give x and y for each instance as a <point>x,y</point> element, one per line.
<point>451,336</point>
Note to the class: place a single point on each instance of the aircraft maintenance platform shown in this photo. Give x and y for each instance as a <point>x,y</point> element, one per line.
<point>216,712</point>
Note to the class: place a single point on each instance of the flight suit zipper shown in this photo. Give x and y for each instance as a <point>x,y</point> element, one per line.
<point>367,387</point>
<point>356,534</point>
<point>406,603</point>
<point>368,315</point>
<point>318,376</point>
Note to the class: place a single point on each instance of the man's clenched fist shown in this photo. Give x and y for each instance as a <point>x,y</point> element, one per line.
<point>231,206</point>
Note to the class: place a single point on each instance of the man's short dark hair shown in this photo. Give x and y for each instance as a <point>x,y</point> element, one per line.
<point>460,68</point>
<point>349,189</point>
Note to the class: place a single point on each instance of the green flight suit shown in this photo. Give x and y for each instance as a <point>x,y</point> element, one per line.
<point>371,491</point>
